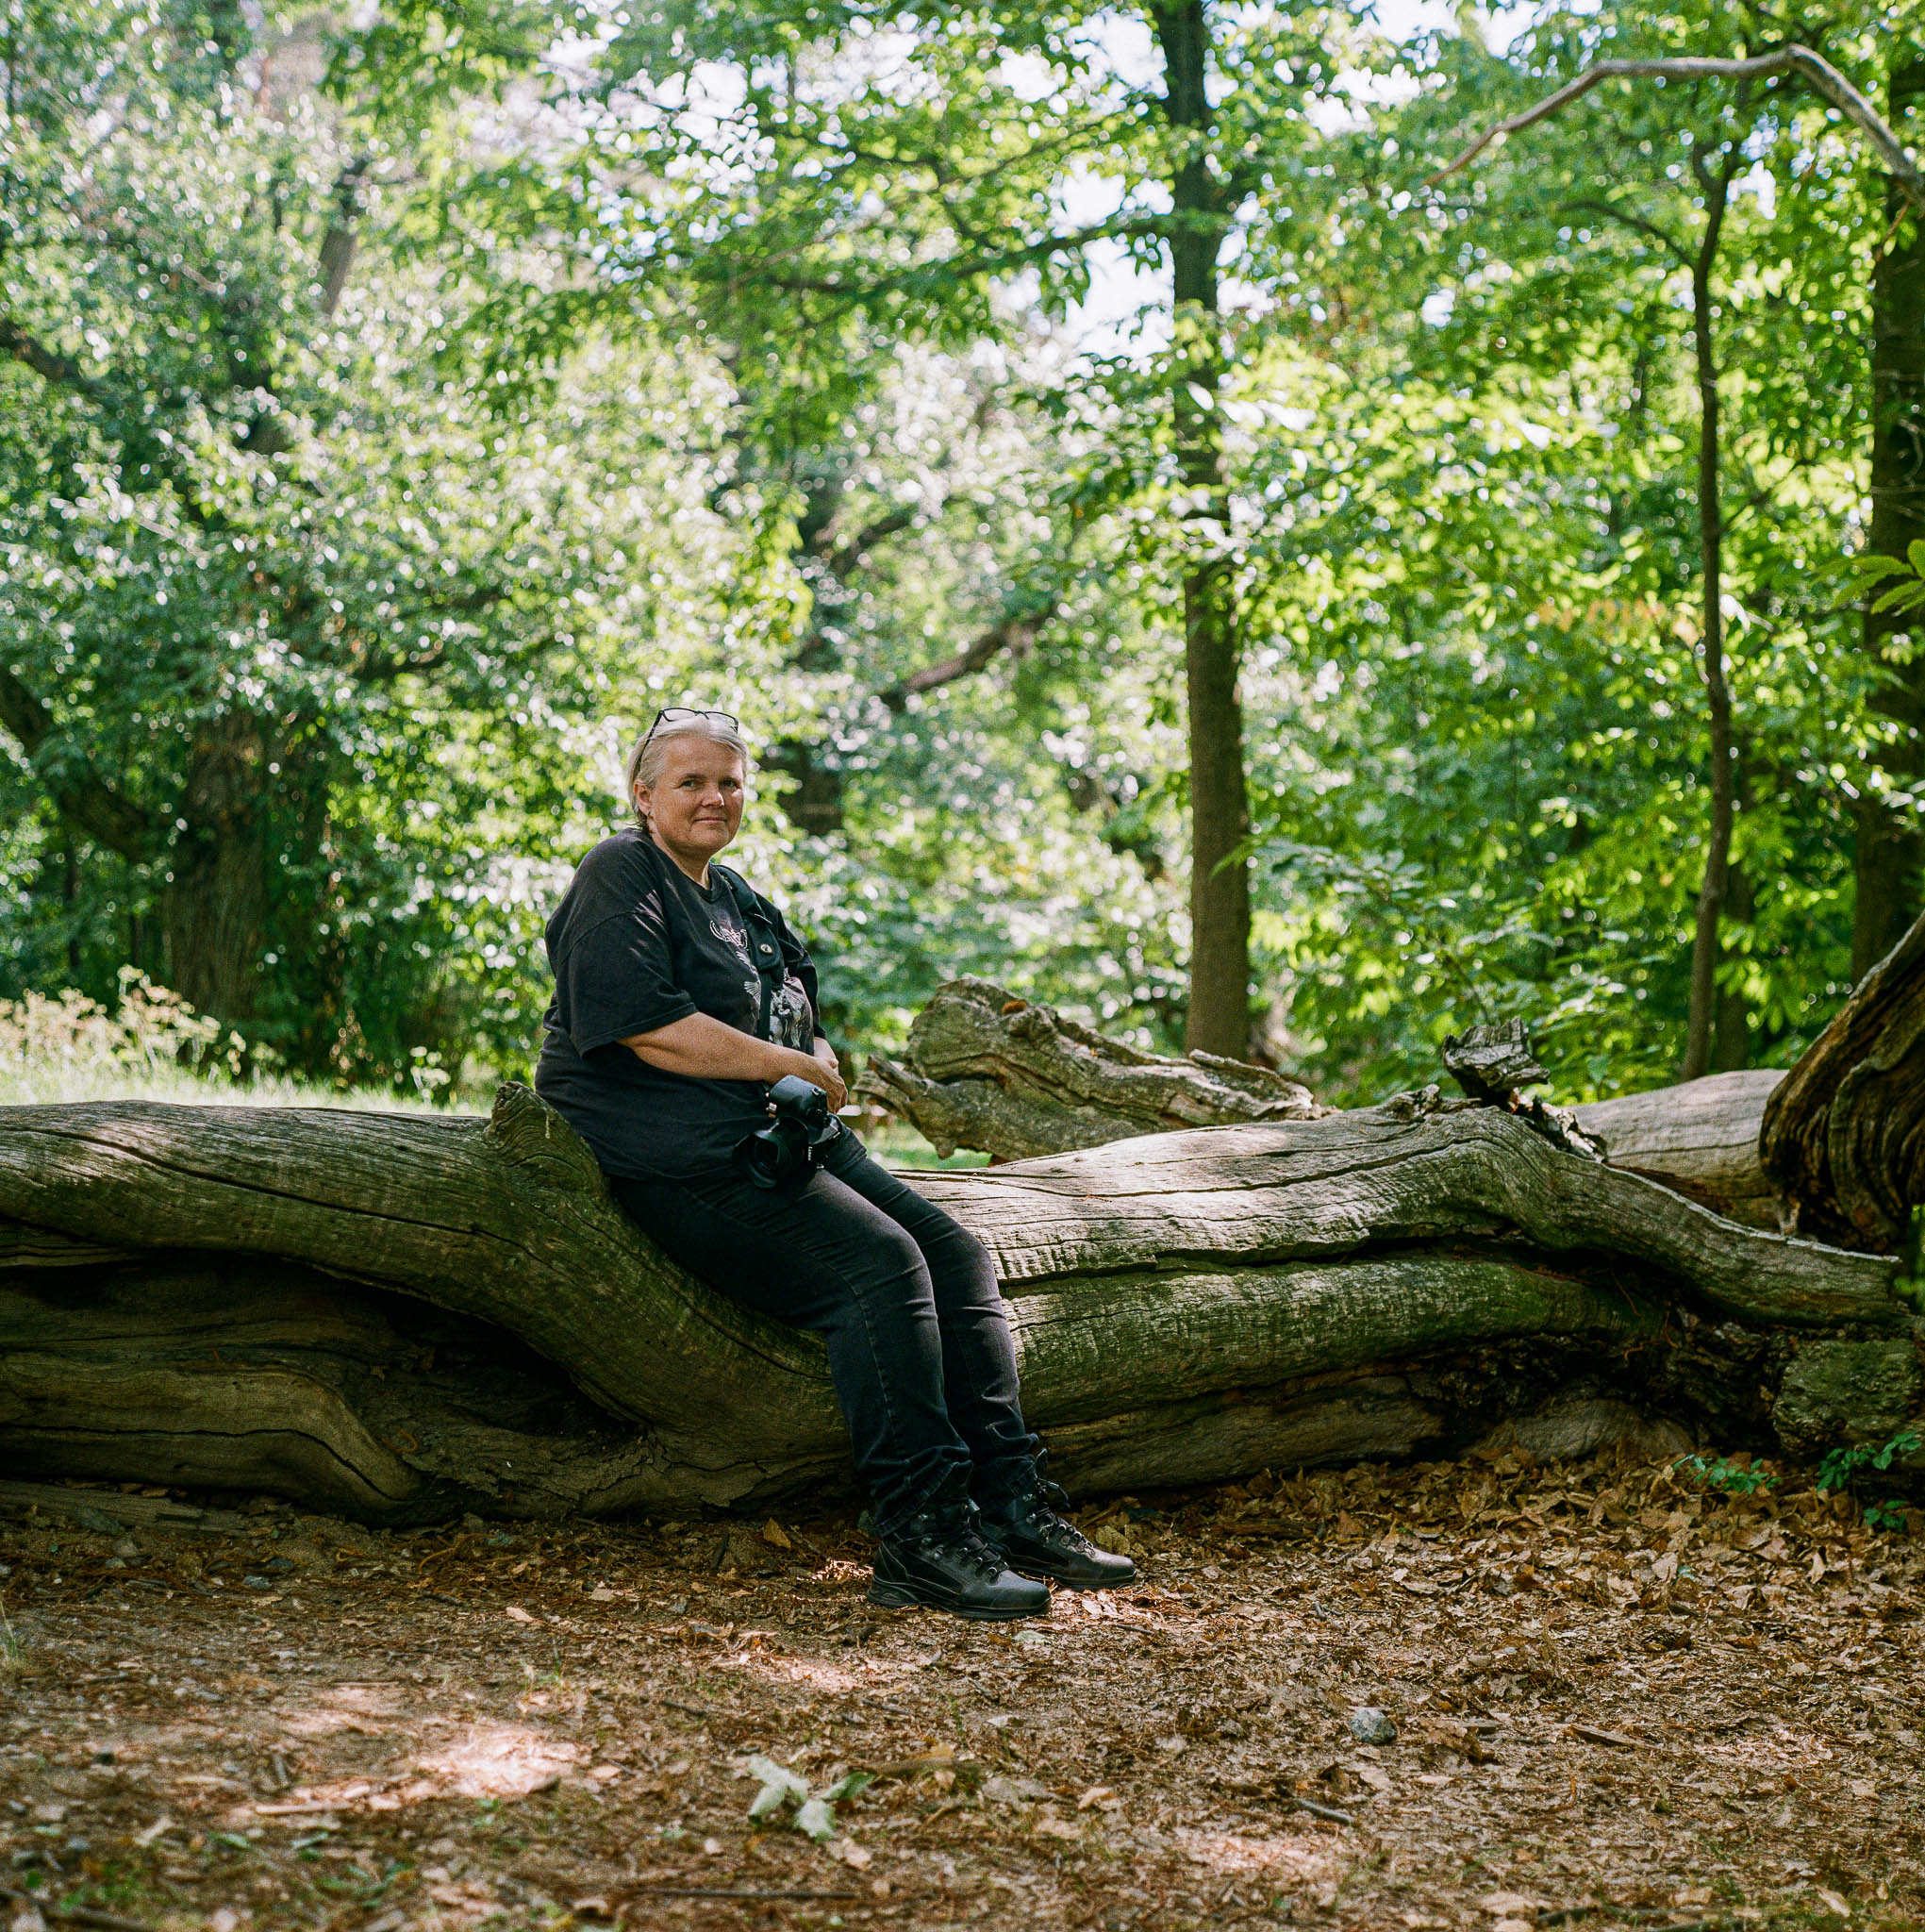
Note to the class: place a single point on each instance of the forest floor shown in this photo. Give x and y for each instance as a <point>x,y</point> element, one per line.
<point>1619,1701</point>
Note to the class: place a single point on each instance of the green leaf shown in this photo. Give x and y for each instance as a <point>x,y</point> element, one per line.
<point>855,1782</point>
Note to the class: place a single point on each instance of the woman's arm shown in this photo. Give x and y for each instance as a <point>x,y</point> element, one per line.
<point>705,1048</point>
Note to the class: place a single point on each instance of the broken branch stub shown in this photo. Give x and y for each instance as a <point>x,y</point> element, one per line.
<point>1011,1078</point>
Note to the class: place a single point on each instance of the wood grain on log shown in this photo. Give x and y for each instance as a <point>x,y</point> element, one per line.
<point>396,1316</point>
<point>1844,1134</point>
<point>1700,1138</point>
<point>988,1070</point>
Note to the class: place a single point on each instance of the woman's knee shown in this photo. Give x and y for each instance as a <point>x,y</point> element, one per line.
<point>892,1268</point>
<point>961,1266</point>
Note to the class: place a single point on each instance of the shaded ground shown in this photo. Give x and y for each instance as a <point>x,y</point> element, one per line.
<point>1619,1702</point>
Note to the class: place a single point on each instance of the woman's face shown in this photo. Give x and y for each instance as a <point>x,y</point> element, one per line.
<point>694,807</point>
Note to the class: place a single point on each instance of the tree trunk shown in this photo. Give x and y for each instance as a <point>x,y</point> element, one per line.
<point>1731,1045</point>
<point>1844,1134</point>
<point>401,1317</point>
<point>1891,848</point>
<point>1013,1079</point>
<point>1700,1139</point>
<point>216,894</point>
<point>1704,944</point>
<point>1218,1016</point>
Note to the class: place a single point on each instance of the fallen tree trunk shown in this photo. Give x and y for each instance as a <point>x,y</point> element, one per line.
<point>397,1317</point>
<point>1700,1139</point>
<point>1013,1079</point>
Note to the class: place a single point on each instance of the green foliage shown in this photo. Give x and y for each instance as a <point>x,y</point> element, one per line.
<point>1728,1476</point>
<point>394,413</point>
<point>1842,1468</point>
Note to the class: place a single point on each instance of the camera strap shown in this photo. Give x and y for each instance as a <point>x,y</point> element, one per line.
<point>771,967</point>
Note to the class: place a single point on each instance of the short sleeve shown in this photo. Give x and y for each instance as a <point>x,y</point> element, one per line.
<point>615,977</point>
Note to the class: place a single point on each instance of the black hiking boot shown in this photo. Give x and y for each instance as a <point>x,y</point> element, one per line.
<point>939,1559</point>
<point>1029,1534</point>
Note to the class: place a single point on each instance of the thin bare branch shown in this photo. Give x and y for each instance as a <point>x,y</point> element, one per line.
<point>1014,633</point>
<point>1818,73</point>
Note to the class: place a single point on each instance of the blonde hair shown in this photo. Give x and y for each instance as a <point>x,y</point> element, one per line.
<point>645,760</point>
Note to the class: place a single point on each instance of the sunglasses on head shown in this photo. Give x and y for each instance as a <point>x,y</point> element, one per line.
<point>676,714</point>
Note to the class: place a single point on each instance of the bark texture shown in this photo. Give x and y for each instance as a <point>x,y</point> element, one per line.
<point>1219,1017</point>
<point>1012,1078</point>
<point>1843,1135</point>
<point>1700,1138</point>
<point>1890,846</point>
<point>398,1317</point>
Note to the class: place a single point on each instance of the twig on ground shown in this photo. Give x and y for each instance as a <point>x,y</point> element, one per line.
<point>1316,1811</point>
<point>732,1891</point>
<point>1591,1734</point>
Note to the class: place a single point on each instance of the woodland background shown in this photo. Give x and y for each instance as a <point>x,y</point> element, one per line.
<point>397,406</point>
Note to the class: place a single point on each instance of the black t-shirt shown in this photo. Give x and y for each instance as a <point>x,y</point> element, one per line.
<point>635,944</point>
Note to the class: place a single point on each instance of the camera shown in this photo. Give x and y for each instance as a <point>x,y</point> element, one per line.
<point>791,1145</point>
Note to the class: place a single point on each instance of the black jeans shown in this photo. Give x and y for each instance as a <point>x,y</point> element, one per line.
<point>919,1341</point>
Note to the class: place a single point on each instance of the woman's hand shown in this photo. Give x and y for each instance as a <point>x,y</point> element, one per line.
<point>827,1074</point>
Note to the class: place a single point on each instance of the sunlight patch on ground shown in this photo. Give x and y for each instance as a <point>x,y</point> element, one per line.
<point>495,1760</point>
<point>1288,1860</point>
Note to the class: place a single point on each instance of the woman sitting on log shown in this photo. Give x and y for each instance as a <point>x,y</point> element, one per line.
<point>684,1016</point>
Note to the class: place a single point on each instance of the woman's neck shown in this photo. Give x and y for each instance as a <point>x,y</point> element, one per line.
<point>695,868</point>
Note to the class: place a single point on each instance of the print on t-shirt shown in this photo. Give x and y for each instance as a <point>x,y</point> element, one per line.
<point>733,937</point>
<point>791,1020</point>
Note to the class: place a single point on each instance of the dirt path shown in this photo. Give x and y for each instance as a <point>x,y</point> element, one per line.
<point>1619,1702</point>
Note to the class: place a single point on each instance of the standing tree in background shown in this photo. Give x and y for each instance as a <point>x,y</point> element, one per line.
<point>794,189</point>
<point>1891,846</point>
<point>295,628</point>
<point>1217,1019</point>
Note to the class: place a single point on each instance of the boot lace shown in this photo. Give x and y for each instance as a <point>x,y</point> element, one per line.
<point>957,1540</point>
<point>1046,1524</point>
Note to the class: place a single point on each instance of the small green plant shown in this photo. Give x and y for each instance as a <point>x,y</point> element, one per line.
<point>1842,1467</point>
<point>1728,1477</point>
<point>784,1795</point>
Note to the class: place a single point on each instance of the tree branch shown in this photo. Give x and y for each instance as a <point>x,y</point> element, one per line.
<point>1823,77</point>
<point>1650,230</point>
<point>845,556</point>
<point>1016,632</point>
<point>50,365</point>
<point>955,268</point>
<point>86,801</point>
